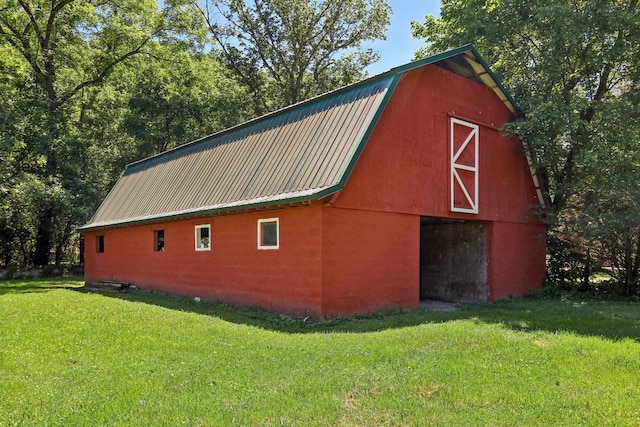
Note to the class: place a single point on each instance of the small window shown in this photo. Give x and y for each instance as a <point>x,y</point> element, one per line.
<point>268,233</point>
<point>100,244</point>
<point>203,237</point>
<point>158,240</point>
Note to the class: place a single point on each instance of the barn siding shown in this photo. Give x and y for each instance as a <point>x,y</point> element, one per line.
<point>330,262</point>
<point>517,254</point>
<point>286,280</point>
<point>405,165</point>
<point>370,261</point>
<point>405,169</point>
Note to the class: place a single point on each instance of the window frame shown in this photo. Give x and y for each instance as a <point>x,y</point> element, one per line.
<point>100,244</point>
<point>261,222</point>
<point>157,239</point>
<point>198,238</point>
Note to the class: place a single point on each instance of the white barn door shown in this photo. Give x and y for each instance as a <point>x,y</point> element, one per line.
<point>464,166</point>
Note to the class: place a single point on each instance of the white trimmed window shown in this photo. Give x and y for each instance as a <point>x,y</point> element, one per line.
<point>203,237</point>
<point>269,233</point>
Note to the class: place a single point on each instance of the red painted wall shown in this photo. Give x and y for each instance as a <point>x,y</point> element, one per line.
<point>405,165</point>
<point>287,280</point>
<point>405,168</point>
<point>516,255</point>
<point>330,261</point>
<point>370,261</point>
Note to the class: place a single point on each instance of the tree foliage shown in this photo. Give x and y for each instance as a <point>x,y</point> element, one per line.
<point>89,86</point>
<point>182,101</point>
<point>573,69</point>
<point>286,51</point>
<point>70,47</point>
<point>605,207</point>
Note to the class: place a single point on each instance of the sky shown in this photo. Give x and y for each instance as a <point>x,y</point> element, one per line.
<point>399,47</point>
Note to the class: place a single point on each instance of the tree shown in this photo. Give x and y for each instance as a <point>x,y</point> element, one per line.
<point>605,208</point>
<point>572,67</point>
<point>561,60</point>
<point>179,97</point>
<point>17,184</point>
<point>70,47</point>
<point>286,51</point>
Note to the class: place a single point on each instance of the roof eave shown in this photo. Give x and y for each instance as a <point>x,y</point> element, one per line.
<point>208,211</point>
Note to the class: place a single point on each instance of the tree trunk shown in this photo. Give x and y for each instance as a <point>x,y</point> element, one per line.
<point>42,252</point>
<point>59,253</point>
<point>7,258</point>
<point>63,242</point>
<point>43,241</point>
<point>628,266</point>
<point>587,272</point>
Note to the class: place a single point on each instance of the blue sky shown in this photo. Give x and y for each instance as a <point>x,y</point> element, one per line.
<point>399,47</point>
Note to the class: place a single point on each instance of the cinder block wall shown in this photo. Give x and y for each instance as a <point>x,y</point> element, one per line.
<point>286,280</point>
<point>370,261</point>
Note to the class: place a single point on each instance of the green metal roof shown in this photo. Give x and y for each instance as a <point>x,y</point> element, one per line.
<point>301,153</point>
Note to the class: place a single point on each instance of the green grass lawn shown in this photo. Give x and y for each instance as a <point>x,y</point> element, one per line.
<point>78,358</point>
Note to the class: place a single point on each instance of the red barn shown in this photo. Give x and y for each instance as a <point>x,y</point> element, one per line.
<point>383,193</point>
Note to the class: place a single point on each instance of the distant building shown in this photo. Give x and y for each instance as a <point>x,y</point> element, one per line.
<point>383,193</point>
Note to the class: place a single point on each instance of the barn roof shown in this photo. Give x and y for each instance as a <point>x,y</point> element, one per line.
<point>300,153</point>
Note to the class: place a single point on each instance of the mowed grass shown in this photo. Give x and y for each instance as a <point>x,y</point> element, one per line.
<point>78,358</point>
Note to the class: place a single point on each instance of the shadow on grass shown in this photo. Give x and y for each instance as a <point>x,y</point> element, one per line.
<point>39,285</point>
<point>615,320</point>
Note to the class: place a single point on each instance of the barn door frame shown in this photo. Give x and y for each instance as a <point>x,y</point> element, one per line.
<point>458,184</point>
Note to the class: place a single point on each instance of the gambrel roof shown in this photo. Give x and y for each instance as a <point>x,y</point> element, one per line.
<point>301,153</point>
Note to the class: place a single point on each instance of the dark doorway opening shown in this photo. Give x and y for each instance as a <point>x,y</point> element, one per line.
<point>453,260</point>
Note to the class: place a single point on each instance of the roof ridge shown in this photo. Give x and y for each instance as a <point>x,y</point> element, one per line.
<point>317,98</point>
<point>273,114</point>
